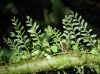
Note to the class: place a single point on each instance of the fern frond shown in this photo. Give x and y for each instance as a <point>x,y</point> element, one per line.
<point>88,38</point>
<point>52,35</point>
<point>76,30</point>
<point>33,27</point>
<point>20,39</point>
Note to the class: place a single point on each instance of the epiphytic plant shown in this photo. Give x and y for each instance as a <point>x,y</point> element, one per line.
<point>77,34</point>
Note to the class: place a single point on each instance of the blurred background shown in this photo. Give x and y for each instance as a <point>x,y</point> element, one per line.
<point>47,12</point>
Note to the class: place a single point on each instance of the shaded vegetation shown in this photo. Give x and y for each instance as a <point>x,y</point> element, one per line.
<point>32,44</point>
<point>48,37</point>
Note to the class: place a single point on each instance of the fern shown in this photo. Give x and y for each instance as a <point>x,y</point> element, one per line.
<point>21,39</point>
<point>33,27</point>
<point>76,32</point>
<point>70,29</point>
<point>53,36</point>
<point>86,33</point>
<point>41,42</point>
<point>76,36</point>
<point>18,41</point>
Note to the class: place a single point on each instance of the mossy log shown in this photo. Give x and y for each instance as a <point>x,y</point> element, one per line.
<point>55,63</point>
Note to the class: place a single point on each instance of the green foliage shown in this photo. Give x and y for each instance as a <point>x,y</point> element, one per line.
<point>18,41</point>
<point>77,34</point>
<point>54,48</point>
<point>33,32</point>
<point>25,46</point>
<point>32,43</point>
<point>52,35</point>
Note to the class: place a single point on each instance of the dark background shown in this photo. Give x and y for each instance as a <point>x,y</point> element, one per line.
<point>44,11</point>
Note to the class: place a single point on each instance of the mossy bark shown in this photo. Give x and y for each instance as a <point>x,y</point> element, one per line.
<point>55,63</point>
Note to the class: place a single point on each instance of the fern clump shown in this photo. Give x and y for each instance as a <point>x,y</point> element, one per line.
<point>32,43</point>
<point>77,34</point>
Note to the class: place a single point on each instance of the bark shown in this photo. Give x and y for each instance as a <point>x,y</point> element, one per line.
<point>55,63</point>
